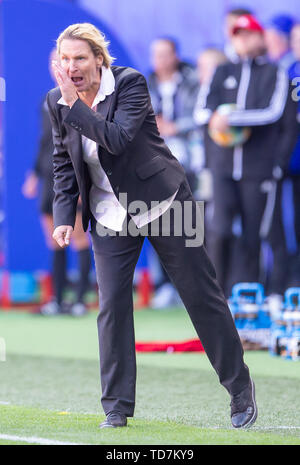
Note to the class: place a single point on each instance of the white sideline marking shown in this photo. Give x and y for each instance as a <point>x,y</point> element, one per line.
<point>35,440</point>
<point>275,427</point>
<point>258,428</point>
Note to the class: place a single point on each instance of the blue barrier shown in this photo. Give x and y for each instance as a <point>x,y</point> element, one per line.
<point>250,313</point>
<point>285,330</point>
<point>247,305</point>
<point>22,288</point>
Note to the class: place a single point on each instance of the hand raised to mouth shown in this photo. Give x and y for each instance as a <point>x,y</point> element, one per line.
<point>67,87</point>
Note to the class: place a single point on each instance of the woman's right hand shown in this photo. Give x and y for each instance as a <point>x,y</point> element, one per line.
<point>62,235</point>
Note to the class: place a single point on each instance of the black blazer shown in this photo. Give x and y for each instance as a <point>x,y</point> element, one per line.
<point>130,149</point>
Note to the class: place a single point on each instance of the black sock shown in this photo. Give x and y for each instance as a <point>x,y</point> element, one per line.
<point>59,273</point>
<point>84,258</point>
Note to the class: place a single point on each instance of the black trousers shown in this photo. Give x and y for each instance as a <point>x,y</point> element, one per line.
<point>278,275</point>
<point>256,203</point>
<point>294,257</point>
<point>193,275</point>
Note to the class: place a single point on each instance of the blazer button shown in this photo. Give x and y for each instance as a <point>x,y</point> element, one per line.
<point>109,172</point>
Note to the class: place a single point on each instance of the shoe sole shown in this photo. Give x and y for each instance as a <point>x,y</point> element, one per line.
<point>254,416</point>
<point>112,426</point>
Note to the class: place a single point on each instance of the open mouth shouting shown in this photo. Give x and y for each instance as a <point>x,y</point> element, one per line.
<point>77,80</point>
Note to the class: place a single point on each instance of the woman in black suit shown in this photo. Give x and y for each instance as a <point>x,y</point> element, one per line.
<point>108,150</point>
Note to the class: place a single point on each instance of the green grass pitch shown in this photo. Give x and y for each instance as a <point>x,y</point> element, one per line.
<point>50,387</point>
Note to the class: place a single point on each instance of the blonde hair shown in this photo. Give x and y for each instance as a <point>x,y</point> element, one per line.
<point>92,35</point>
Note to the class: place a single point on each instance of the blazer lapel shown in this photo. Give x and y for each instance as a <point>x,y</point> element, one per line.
<point>103,107</point>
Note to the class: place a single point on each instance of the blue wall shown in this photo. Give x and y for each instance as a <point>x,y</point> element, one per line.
<point>29,33</point>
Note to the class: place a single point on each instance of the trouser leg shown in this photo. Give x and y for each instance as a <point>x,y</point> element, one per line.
<point>295,258</point>
<point>253,215</point>
<point>115,260</point>
<point>296,203</point>
<point>221,240</point>
<point>220,254</point>
<point>59,273</point>
<point>84,256</point>
<point>279,271</point>
<point>194,276</point>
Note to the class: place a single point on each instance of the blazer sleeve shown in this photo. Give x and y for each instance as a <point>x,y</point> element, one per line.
<point>66,190</point>
<point>133,102</point>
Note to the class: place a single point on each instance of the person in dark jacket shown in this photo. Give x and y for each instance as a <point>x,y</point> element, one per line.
<point>245,176</point>
<point>40,182</point>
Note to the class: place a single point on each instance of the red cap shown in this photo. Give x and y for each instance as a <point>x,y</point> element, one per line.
<point>248,23</point>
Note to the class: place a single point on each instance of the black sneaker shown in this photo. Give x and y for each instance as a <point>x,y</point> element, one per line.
<point>244,408</point>
<point>114,420</point>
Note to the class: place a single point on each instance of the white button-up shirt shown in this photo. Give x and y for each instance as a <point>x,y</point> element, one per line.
<point>104,204</point>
